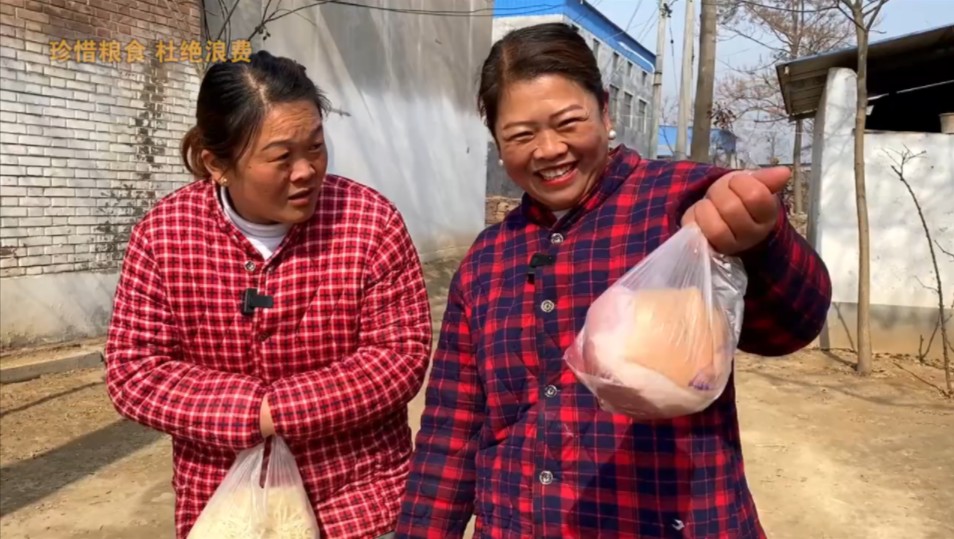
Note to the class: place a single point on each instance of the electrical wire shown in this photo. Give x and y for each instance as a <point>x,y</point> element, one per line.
<point>625,30</point>
<point>646,26</point>
<point>479,12</point>
<point>630,23</point>
<point>835,7</point>
<point>536,8</point>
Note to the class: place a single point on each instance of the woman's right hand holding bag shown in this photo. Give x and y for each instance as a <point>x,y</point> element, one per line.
<point>660,342</point>
<point>261,497</point>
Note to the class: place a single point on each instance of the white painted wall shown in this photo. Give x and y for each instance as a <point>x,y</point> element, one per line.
<point>503,25</point>
<point>900,259</point>
<point>55,308</point>
<point>404,89</point>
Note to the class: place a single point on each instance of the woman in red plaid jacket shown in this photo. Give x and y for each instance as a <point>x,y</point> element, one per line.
<point>270,298</point>
<point>508,434</point>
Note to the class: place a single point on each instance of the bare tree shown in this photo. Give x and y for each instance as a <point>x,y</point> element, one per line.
<point>862,15</point>
<point>753,94</point>
<point>898,167</point>
<point>669,113</point>
<point>272,11</point>
<point>787,29</point>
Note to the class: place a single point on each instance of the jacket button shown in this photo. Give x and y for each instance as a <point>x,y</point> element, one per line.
<point>556,239</point>
<point>546,477</point>
<point>250,266</point>
<point>547,306</point>
<point>550,391</point>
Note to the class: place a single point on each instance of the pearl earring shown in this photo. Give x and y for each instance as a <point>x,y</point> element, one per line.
<point>500,162</point>
<point>612,134</point>
<point>223,181</point>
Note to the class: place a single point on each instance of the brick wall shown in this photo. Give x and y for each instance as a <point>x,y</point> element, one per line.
<point>86,147</point>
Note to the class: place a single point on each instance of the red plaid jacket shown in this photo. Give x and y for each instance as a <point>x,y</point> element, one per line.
<point>509,434</point>
<point>341,353</point>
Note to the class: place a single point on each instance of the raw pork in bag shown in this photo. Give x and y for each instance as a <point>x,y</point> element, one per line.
<point>660,342</point>
<point>245,508</point>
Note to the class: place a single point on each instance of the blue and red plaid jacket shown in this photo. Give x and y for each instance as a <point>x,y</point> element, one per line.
<point>509,434</point>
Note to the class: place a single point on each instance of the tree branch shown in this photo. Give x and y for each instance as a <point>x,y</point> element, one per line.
<point>756,41</point>
<point>227,23</point>
<point>905,157</point>
<point>282,13</point>
<point>774,7</point>
<point>943,250</point>
<point>874,14</point>
<point>852,16</point>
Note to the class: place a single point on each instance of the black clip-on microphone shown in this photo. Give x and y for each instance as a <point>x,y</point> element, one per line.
<point>252,300</point>
<point>538,261</point>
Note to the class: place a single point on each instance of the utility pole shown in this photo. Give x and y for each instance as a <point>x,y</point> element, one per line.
<point>798,24</point>
<point>664,13</point>
<point>685,85</point>
<point>702,117</point>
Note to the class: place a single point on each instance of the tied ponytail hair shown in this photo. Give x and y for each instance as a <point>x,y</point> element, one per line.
<point>191,151</point>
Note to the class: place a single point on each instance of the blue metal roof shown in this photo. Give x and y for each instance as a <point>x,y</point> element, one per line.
<point>586,16</point>
<point>719,138</point>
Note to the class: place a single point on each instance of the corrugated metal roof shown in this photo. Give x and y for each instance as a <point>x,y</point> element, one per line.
<point>901,63</point>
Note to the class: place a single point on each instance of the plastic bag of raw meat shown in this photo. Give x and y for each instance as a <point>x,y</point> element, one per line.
<point>247,507</point>
<point>659,343</point>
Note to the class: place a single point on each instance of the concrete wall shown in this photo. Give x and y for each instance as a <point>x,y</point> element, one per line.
<point>86,147</point>
<point>903,308</point>
<point>405,122</point>
<point>499,183</point>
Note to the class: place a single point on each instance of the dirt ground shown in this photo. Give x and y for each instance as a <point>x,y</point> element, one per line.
<point>828,455</point>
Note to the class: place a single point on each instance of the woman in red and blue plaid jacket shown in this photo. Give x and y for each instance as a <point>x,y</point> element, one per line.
<point>508,434</point>
<point>269,297</point>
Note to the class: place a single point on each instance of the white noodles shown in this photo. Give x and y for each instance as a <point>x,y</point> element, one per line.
<point>231,515</point>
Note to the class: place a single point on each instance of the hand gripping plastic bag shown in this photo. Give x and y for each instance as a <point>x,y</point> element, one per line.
<point>659,343</point>
<point>245,507</point>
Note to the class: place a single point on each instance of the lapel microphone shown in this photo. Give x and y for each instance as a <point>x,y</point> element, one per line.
<point>538,261</point>
<point>252,300</point>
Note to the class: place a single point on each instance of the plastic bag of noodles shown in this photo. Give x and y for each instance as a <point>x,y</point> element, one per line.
<point>245,507</point>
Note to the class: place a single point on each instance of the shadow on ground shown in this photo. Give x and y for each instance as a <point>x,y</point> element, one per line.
<point>29,481</point>
<point>48,398</point>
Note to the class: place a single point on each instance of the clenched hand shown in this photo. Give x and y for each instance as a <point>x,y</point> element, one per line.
<point>739,209</point>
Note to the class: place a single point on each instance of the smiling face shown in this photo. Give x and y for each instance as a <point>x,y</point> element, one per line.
<point>553,139</point>
<point>278,178</point>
